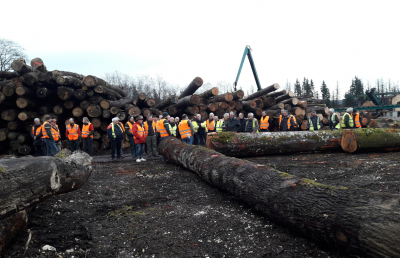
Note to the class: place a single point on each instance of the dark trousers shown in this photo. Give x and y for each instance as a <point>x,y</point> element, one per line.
<point>40,150</point>
<point>188,140</point>
<point>151,144</point>
<point>139,150</point>
<point>195,139</point>
<point>51,147</point>
<point>88,143</point>
<point>73,145</point>
<point>201,139</point>
<point>132,143</point>
<point>116,147</point>
<point>264,130</point>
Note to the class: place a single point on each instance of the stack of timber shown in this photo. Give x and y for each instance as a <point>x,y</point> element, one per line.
<point>31,91</point>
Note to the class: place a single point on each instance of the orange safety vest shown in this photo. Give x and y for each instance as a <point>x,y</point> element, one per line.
<point>38,130</point>
<point>73,132</point>
<point>288,123</point>
<point>356,120</point>
<point>210,126</point>
<point>184,129</point>
<point>146,128</point>
<point>85,131</point>
<point>140,131</point>
<point>55,133</point>
<point>161,128</point>
<point>264,122</point>
<point>44,133</point>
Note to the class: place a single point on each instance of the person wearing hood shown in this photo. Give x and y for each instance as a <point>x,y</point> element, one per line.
<point>87,135</point>
<point>139,136</point>
<point>128,129</point>
<point>73,132</point>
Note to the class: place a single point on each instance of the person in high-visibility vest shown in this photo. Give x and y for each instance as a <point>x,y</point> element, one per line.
<point>356,119</point>
<point>333,120</point>
<point>251,124</point>
<point>347,119</point>
<point>186,130</point>
<point>172,126</point>
<point>128,127</point>
<point>48,137</point>
<point>200,135</point>
<point>55,131</point>
<point>87,135</point>
<point>140,138</point>
<point>286,121</point>
<point>314,122</point>
<point>163,128</point>
<point>151,138</point>
<point>264,122</point>
<point>116,134</point>
<point>38,141</point>
<point>219,124</point>
<point>210,123</point>
<point>73,132</point>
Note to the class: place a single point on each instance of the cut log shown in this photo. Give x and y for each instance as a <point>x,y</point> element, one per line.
<point>106,113</point>
<point>192,110</point>
<point>239,105</point>
<point>145,112</point>
<point>43,92</point>
<point>80,94</point>
<point>45,109</point>
<point>187,101</point>
<point>104,104</point>
<point>3,134</point>
<point>238,95</point>
<point>32,78</point>
<point>269,102</point>
<point>58,109</point>
<point>24,149</point>
<point>172,110</point>
<point>302,104</point>
<point>96,99</point>
<point>212,107</point>
<point>84,104</point>
<point>249,105</point>
<point>89,93</point>
<point>69,104</point>
<point>319,110</point>
<point>263,92</point>
<point>299,111</point>
<point>94,111</point>
<point>120,103</point>
<point>259,102</point>
<point>15,126</point>
<point>14,145</point>
<point>8,88</point>
<point>115,110</point>
<point>32,180</point>
<point>371,140</point>
<point>38,65</point>
<point>25,103</point>
<point>27,115</point>
<point>9,114</point>
<point>13,136</point>
<point>93,81</point>
<point>192,87</point>
<point>210,93</point>
<point>287,107</point>
<point>65,93</point>
<point>66,80</point>
<point>105,138</point>
<point>222,105</point>
<point>24,91</point>
<point>20,66</point>
<point>43,118</point>
<point>134,111</point>
<point>57,73</point>
<point>77,112</point>
<point>169,101</point>
<point>155,111</point>
<point>353,220</point>
<point>227,97</point>
<point>2,97</point>
<point>275,94</point>
<point>288,95</point>
<point>202,107</point>
<point>277,106</point>
<point>24,138</point>
<point>292,101</point>
<point>104,126</point>
<point>8,75</point>
<point>122,116</point>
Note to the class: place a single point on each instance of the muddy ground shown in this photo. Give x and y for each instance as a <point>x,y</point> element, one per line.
<point>154,209</point>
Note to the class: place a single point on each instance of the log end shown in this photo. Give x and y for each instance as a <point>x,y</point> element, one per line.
<point>198,81</point>
<point>349,141</point>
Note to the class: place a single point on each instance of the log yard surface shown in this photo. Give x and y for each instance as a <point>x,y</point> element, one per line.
<point>157,209</point>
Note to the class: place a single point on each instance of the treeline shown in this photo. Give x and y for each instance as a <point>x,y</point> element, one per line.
<point>355,95</point>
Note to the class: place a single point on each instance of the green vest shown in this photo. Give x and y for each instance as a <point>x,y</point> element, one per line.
<point>195,126</point>
<point>172,129</point>
<point>333,120</point>
<point>311,124</point>
<point>254,124</point>
<point>219,125</point>
<point>351,121</point>
<point>204,125</point>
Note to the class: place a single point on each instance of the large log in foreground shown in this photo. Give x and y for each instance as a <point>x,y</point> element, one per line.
<point>272,143</point>
<point>25,182</point>
<point>359,221</point>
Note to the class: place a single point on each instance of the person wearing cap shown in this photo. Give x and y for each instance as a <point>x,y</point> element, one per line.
<point>38,141</point>
<point>139,136</point>
<point>314,122</point>
<point>151,138</point>
<point>48,137</point>
<point>286,121</point>
<point>73,132</point>
<point>116,134</point>
<point>128,130</point>
<point>333,120</point>
<point>356,119</point>
<point>347,119</point>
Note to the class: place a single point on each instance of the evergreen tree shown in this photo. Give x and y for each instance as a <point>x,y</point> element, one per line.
<point>297,88</point>
<point>312,87</point>
<point>349,100</point>
<point>307,87</point>
<point>325,93</point>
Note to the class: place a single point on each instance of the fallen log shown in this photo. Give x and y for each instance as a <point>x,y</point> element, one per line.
<point>276,94</point>
<point>20,66</point>
<point>210,93</point>
<point>192,87</point>
<point>237,95</point>
<point>227,97</point>
<point>28,181</point>
<point>263,92</point>
<point>169,101</point>
<point>187,101</point>
<point>358,221</point>
<point>8,75</point>
<point>286,96</point>
<point>371,140</point>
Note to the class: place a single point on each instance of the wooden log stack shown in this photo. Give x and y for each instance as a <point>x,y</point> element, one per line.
<point>31,92</point>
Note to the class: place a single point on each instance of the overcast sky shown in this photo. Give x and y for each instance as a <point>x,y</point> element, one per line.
<point>321,40</point>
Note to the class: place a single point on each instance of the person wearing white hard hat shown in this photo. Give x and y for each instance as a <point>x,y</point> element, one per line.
<point>347,119</point>
<point>333,120</point>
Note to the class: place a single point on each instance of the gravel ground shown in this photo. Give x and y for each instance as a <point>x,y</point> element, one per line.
<point>154,209</point>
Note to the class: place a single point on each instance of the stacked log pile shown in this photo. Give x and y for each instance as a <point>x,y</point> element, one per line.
<point>34,92</point>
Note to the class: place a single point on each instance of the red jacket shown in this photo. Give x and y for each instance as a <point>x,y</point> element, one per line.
<point>138,138</point>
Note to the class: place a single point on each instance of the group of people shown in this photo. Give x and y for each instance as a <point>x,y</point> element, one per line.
<point>47,138</point>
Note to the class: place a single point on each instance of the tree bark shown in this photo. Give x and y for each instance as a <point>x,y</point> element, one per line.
<point>280,105</point>
<point>8,88</point>
<point>288,95</point>
<point>187,101</point>
<point>134,111</point>
<point>46,109</point>
<point>192,87</point>
<point>249,105</point>
<point>84,104</point>
<point>169,101</point>
<point>3,134</point>
<point>104,104</point>
<point>93,81</point>
<point>24,149</point>
<point>70,104</point>
<point>9,114</point>
<point>20,66</point>
<point>24,138</point>
<point>210,93</point>
<point>65,93</point>
<point>25,103</point>
<point>263,92</point>
<point>192,110</point>
<point>57,73</point>
<point>77,112</point>
<point>13,136</point>
<point>212,107</point>
<point>2,97</point>
<point>94,111</point>
<point>371,140</point>
<point>120,103</point>
<point>67,80</point>
<point>358,221</point>
<point>106,113</point>
<point>227,97</point>
<point>24,91</point>
<point>15,126</point>
<point>80,94</point>
<point>27,115</point>
<point>319,110</point>
<point>8,75</point>
<point>44,92</point>
<point>238,94</point>
<point>222,105</point>
<point>276,94</point>
<point>269,102</point>
<point>96,99</point>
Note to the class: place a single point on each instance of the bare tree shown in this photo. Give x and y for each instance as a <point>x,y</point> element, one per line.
<point>288,86</point>
<point>9,51</point>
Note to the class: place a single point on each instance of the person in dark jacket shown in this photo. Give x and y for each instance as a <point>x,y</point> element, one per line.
<point>151,138</point>
<point>38,142</point>
<point>314,122</point>
<point>242,121</point>
<point>116,134</point>
<point>251,124</point>
<point>287,123</point>
<point>347,120</point>
<point>128,127</point>
<point>201,131</point>
<point>333,120</point>
<point>232,124</point>
<point>48,137</point>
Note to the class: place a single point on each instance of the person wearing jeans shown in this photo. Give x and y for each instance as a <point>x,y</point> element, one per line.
<point>87,135</point>
<point>48,137</point>
<point>186,130</point>
<point>116,134</point>
<point>139,136</point>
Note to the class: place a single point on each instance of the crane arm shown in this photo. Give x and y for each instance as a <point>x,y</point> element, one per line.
<point>247,52</point>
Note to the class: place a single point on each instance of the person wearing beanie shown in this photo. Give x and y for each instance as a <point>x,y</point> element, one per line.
<point>347,119</point>
<point>128,130</point>
<point>333,120</point>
